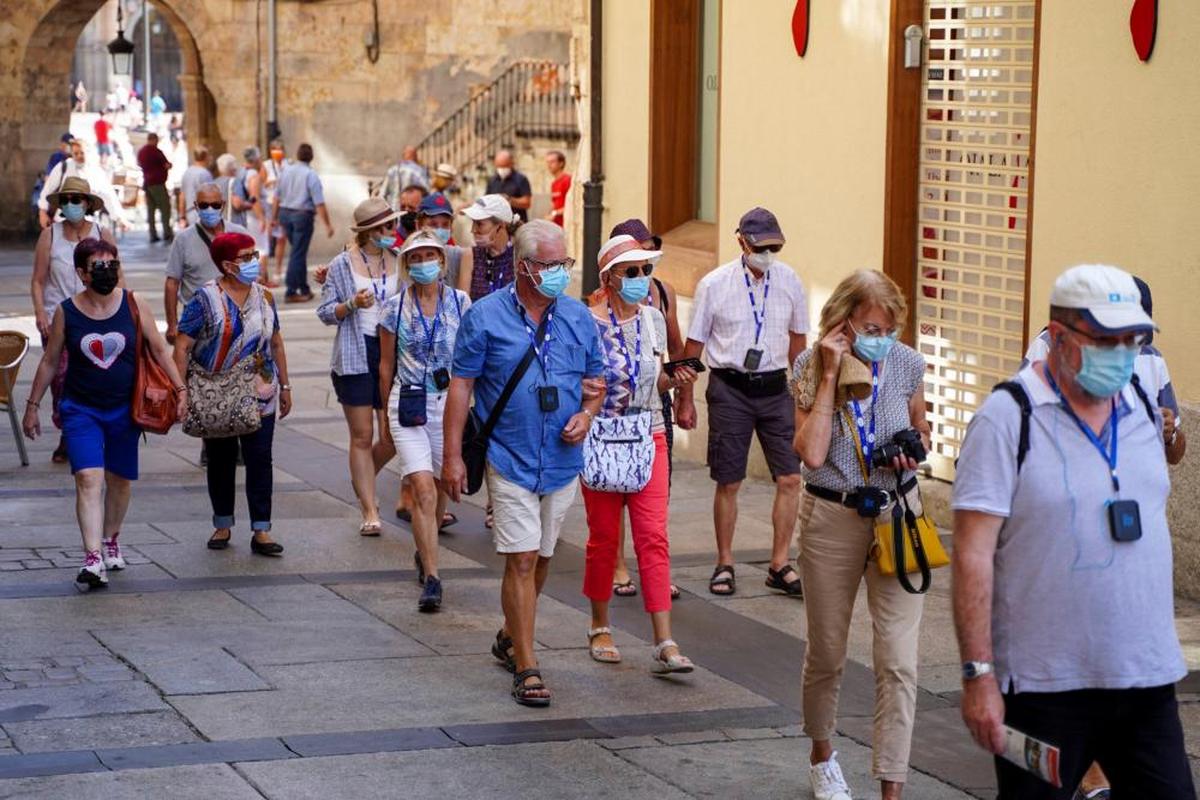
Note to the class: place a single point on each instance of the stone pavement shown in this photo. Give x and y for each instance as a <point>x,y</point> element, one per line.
<point>224,675</point>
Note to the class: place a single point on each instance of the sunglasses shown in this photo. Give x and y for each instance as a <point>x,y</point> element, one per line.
<point>767,248</point>
<point>203,206</point>
<point>633,272</point>
<point>74,199</point>
<point>100,266</point>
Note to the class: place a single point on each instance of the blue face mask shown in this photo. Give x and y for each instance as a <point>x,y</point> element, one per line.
<point>210,217</point>
<point>248,271</point>
<point>554,282</point>
<point>74,211</point>
<point>385,242</point>
<point>873,348</point>
<point>634,290</point>
<point>1105,370</point>
<point>443,234</point>
<point>425,272</point>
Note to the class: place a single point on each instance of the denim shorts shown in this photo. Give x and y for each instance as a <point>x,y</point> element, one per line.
<point>361,390</point>
<point>100,438</point>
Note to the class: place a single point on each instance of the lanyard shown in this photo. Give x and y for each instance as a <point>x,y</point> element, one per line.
<point>430,332</point>
<point>759,320</point>
<point>866,436</point>
<point>378,289</point>
<point>543,351</point>
<point>634,366</point>
<point>1109,455</point>
<point>495,276</point>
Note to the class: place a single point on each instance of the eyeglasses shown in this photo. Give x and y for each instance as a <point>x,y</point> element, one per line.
<point>566,263</point>
<point>1109,342</point>
<point>771,248</point>
<point>203,206</point>
<point>632,272</point>
<point>74,199</point>
<point>871,329</point>
<point>246,258</point>
<point>100,266</point>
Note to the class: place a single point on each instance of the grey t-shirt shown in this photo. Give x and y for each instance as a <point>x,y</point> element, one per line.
<point>1072,608</point>
<point>189,261</point>
<point>900,377</point>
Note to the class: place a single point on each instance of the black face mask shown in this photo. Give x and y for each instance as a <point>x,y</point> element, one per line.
<point>104,281</point>
<point>408,221</point>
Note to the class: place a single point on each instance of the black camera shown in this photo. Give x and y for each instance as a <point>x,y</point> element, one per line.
<point>905,443</point>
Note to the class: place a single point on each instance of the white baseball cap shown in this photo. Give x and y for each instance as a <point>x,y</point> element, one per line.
<point>490,206</point>
<point>1108,296</point>
<point>622,249</point>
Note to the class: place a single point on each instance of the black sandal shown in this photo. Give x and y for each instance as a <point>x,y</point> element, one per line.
<point>448,519</point>
<point>729,580</point>
<point>501,650</point>
<point>521,691</point>
<point>626,589</point>
<point>776,579</point>
<point>675,593</point>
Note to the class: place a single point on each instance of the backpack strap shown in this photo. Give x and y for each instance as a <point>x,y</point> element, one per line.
<point>1017,392</point>
<point>1141,393</point>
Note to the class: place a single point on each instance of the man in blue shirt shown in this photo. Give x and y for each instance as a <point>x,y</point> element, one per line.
<point>298,198</point>
<point>534,455</point>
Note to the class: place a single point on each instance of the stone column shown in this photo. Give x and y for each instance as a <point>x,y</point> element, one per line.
<point>200,117</point>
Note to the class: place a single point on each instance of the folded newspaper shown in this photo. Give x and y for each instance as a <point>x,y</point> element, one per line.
<point>1033,755</point>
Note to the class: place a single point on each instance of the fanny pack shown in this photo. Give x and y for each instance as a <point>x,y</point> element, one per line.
<point>755,384</point>
<point>410,406</point>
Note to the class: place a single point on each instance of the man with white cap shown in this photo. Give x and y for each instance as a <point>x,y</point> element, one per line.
<point>1063,591</point>
<point>492,257</point>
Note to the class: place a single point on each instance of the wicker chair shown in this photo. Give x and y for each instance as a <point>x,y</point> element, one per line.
<point>13,347</point>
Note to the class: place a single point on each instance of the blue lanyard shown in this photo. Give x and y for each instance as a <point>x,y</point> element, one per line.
<point>1109,455</point>
<point>866,436</point>
<point>759,320</point>
<point>542,352</point>
<point>430,332</point>
<point>377,289</point>
<point>634,366</point>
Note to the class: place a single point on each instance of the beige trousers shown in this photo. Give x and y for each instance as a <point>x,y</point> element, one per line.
<point>835,545</point>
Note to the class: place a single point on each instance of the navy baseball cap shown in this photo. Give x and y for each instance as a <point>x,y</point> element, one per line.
<point>760,228</point>
<point>66,138</point>
<point>637,229</point>
<point>435,204</point>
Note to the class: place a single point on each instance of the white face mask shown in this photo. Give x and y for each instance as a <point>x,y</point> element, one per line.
<point>503,172</point>
<point>760,261</point>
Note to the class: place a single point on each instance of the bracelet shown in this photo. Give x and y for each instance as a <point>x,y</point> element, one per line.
<point>179,388</point>
<point>29,402</point>
<point>285,387</point>
<point>589,413</point>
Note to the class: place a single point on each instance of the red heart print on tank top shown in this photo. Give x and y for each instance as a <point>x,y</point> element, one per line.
<point>102,349</point>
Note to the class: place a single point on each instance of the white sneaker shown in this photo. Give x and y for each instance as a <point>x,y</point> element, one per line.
<point>93,575</point>
<point>112,554</point>
<point>827,780</point>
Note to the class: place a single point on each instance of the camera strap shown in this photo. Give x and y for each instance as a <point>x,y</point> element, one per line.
<point>858,446</point>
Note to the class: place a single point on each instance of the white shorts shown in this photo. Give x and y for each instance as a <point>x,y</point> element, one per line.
<point>419,449</point>
<point>524,521</point>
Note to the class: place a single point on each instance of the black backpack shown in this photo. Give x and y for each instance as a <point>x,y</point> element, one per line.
<point>1017,391</point>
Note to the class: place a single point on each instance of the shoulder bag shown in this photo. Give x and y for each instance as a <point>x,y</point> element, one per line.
<point>223,404</point>
<point>618,454</point>
<point>477,434</point>
<point>154,397</point>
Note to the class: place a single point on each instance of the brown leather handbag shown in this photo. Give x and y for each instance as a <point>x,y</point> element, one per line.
<point>154,397</point>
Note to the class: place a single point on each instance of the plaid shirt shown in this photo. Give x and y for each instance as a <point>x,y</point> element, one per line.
<point>349,355</point>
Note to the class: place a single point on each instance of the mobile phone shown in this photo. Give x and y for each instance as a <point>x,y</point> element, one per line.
<point>695,363</point>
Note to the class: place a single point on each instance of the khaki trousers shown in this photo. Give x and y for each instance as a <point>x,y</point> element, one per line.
<point>835,545</point>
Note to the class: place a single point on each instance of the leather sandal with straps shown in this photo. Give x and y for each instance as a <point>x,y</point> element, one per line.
<point>785,580</point>
<point>677,664</point>
<point>605,654</point>
<point>726,586</point>
<point>522,692</point>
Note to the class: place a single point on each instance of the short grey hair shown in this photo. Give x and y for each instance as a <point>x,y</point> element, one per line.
<point>251,153</point>
<point>210,186</point>
<point>530,236</point>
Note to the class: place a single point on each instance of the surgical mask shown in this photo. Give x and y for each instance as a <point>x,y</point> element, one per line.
<point>873,348</point>
<point>74,211</point>
<point>248,271</point>
<point>1105,370</point>
<point>484,239</point>
<point>503,172</point>
<point>277,155</point>
<point>634,290</point>
<point>425,272</point>
<point>210,217</point>
<point>442,234</point>
<point>554,282</point>
<point>761,261</point>
<point>385,242</point>
<point>103,281</point>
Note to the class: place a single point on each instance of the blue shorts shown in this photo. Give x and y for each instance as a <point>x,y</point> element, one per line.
<point>361,390</point>
<point>104,148</point>
<point>100,437</point>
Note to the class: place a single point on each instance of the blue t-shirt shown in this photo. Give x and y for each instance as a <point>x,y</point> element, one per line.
<point>527,446</point>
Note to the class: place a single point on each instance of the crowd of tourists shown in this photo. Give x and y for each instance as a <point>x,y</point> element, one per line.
<point>471,368</point>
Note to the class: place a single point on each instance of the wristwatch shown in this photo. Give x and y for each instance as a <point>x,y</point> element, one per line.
<point>976,669</point>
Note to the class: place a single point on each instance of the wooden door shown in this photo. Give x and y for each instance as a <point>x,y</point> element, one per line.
<point>674,112</point>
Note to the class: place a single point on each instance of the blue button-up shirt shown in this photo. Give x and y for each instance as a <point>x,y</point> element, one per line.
<point>526,445</point>
<point>299,188</point>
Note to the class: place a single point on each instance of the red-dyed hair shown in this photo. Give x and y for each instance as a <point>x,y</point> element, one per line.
<point>226,247</point>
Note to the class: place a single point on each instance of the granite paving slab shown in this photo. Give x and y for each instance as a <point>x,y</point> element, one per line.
<point>89,733</point>
<point>101,610</point>
<point>205,782</point>
<point>67,536</point>
<point>79,700</point>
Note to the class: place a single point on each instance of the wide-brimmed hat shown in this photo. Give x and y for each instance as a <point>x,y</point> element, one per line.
<point>76,185</point>
<point>371,213</point>
<point>445,171</point>
<point>637,229</point>
<point>1108,297</point>
<point>420,239</point>
<point>490,206</point>
<point>623,249</point>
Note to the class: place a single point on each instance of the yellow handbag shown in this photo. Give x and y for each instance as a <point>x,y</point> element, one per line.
<point>903,536</point>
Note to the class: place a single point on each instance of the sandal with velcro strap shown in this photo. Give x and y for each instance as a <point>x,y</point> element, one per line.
<point>521,691</point>
<point>777,579</point>
<point>677,664</point>
<point>501,650</point>
<point>730,581</point>
<point>605,654</point>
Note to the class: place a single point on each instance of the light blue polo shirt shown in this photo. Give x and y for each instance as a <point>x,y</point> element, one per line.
<point>526,445</point>
<point>299,188</point>
<point>1072,608</point>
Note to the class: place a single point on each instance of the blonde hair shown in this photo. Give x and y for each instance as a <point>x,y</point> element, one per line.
<point>863,286</point>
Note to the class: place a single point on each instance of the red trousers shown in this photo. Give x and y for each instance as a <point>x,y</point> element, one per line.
<point>648,524</point>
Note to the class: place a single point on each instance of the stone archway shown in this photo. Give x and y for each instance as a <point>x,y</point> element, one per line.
<point>35,69</point>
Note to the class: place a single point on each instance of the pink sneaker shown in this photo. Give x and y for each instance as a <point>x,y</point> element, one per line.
<point>93,574</point>
<point>112,554</point>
